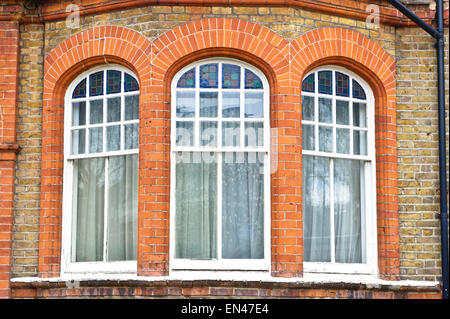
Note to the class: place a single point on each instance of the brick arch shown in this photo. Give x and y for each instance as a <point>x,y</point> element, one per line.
<point>268,52</point>
<point>354,51</point>
<point>97,46</point>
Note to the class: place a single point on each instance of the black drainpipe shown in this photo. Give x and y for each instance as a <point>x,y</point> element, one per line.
<point>438,34</point>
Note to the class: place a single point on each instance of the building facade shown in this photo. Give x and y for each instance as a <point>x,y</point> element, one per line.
<point>218,148</point>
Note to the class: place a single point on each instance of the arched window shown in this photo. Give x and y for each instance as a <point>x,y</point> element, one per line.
<point>101,148</point>
<point>220,167</point>
<point>338,172</point>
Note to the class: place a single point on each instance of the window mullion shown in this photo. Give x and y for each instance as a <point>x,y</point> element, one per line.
<point>219,205</point>
<point>332,242</point>
<point>105,212</point>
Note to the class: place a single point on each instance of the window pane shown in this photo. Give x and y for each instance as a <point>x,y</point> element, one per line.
<point>131,107</point>
<point>122,207</point>
<point>308,140</point>
<point>342,84</point>
<point>231,76</point>
<point>185,104</point>
<point>187,80</point>
<point>231,133</point>
<point>252,81</point>
<point>242,206</point>
<point>358,91</point>
<point>308,84</point>
<point>88,206</point>
<point>78,142</point>
<point>196,207</point>
<point>113,138</point>
<point>113,84</point>
<point>208,134</point>
<point>307,108</point>
<point>96,84</point>
<point>343,140</point>
<point>325,111</point>
<point>359,114</point>
<point>185,134</point>
<point>254,105</point>
<point>231,104</point>
<point>316,208</point>
<point>359,142</point>
<point>208,104</point>
<point>342,113</point>
<point>95,140</point>
<point>254,134</point>
<point>209,76</point>
<point>80,90</point>
<point>325,139</point>
<point>131,136</point>
<point>348,208</point>
<point>325,82</point>
<point>130,83</point>
<point>78,113</point>
<point>96,112</point>
<point>113,114</point>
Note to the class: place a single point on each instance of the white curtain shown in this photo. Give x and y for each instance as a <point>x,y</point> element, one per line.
<point>242,207</point>
<point>196,209</point>
<point>122,207</point>
<point>316,208</point>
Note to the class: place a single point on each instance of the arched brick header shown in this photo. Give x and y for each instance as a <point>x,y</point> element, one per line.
<point>96,46</point>
<point>363,56</point>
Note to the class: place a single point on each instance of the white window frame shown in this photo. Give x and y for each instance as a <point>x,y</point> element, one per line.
<point>68,235</point>
<point>221,264</point>
<point>369,232</point>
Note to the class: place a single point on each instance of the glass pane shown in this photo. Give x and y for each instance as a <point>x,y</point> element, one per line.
<point>78,113</point>
<point>254,105</point>
<point>325,82</point>
<point>88,207</point>
<point>131,136</point>
<point>95,140</point>
<point>325,139</point>
<point>131,107</point>
<point>231,133</point>
<point>185,104</point>
<point>122,207</point>
<point>325,110</point>
<point>114,79</point>
<point>254,134</point>
<point>113,114</point>
<point>308,140</point>
<point>231,104</point>
<point>342,113</point>
<point>342,84</point>
<point>242,206</point>
<point>307,108</point>
<point>359,115</point>
<point>80,90</point>
<point>252,81</point>
<point>96,84</point>
<point>208,76</point>
<point>358,91</point>
<point>343,140</point>
<point>113,138</point>
<point>96,112</point>
<point>208,104</point>
<point>78,142</point>
<point>187,80</point>
<point>185,134</point>
<point>231,76</point>
<point>196,207</point>
<point>360,142</point>
<point>130,83</point>
<point>316,208</point>
<point>308,84</point>
<point>208,133</point>
<point>348,209</point>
